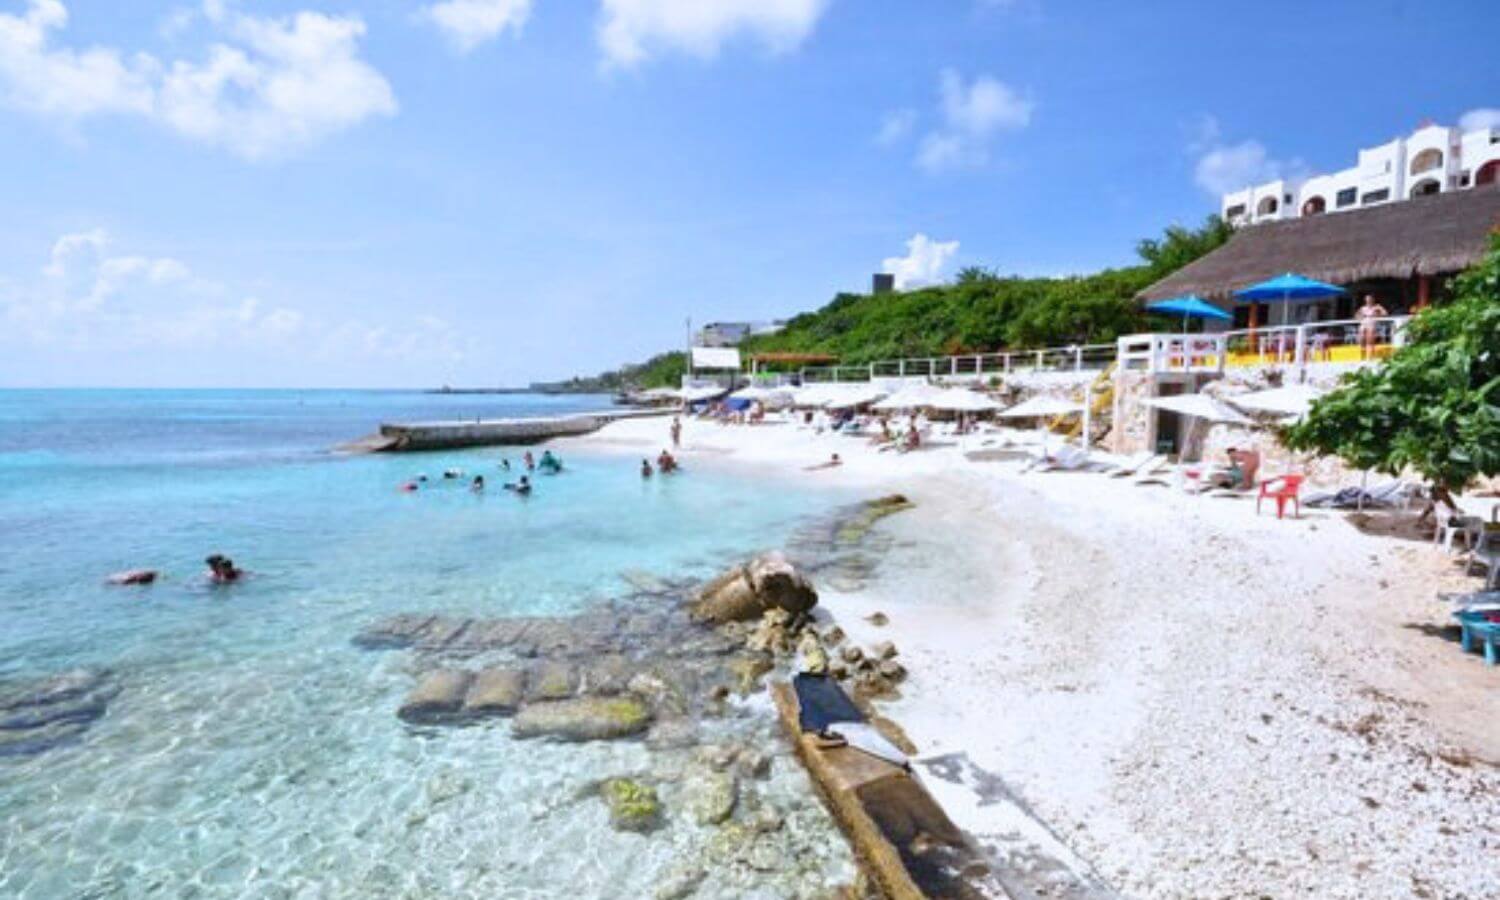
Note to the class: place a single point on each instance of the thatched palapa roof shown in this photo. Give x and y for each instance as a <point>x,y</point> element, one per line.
<point>1433,235</point>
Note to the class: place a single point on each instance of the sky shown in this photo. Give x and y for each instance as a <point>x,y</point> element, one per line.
<point>344,193</point>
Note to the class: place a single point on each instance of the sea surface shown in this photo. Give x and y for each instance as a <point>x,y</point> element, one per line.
<point>252,750</point>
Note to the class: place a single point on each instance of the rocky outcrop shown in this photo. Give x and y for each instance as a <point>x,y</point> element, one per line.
<point>37,716</point>
<point>583,719</point>
<point>746,592</point>
<point>438,697</point>
<point>710,796</point>
<point>495,692</point>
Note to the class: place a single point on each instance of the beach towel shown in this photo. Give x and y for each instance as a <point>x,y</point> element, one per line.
<point>863,737</point>
<point>821,703</point>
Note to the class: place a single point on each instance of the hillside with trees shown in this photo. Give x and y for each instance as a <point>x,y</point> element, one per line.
<point>980,311</point>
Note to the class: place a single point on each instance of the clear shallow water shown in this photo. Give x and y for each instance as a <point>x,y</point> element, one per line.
<point>253,751</point>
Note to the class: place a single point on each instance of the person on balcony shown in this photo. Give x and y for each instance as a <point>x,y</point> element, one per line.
<point>1368,317</point>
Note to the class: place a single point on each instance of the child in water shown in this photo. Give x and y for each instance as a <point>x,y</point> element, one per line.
<point>645,468</point>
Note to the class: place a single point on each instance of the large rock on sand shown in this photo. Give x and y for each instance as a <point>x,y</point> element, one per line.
<point>495,692</point>
<point>746,592</point>
<point>438,697</point>
<point>583,719</point>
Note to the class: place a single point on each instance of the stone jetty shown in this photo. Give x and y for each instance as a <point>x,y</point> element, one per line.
<point>444,435</point>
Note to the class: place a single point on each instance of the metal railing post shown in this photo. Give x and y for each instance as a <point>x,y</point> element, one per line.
<point>1299,353</point>
<point>1041,356</point>
<point>901,368</point>
<point>1077,358</point>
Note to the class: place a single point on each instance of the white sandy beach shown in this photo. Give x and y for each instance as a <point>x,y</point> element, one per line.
<point>1195,700</point>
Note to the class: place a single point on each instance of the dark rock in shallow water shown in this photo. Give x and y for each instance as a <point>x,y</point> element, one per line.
<point>39,715</point>
<point>438,697</point>
<point>550,681</point>
<point>583,719</point>
<point>495,692</point>
<point>394,633</point>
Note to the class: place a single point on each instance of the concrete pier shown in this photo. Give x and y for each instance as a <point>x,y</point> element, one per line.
<point>414,436</point>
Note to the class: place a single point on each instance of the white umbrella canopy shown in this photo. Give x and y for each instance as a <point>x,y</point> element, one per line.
<point>964,400</point>
<point>1201,406</point>
<point>855,395</point>
<point>1043,407</point>
<point>912,396</point>
<point>693,395</point>
<point>1289,400</point>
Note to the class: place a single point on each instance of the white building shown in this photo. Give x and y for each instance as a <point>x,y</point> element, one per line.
<point>1431,160</point>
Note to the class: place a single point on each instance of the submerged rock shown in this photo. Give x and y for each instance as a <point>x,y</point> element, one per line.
<point>40,715</point>
<point>633,806</point>
<point>711,797</point>
<point>438,697</point>
<point>551,681</point>
<point>746,592</point>
<point>583,719</point>
<point>679,883</point>
<point>495,692</point>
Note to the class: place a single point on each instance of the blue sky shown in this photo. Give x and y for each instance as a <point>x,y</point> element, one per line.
<point>483,192</point>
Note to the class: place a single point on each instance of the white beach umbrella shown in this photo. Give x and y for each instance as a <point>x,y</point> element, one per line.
<point>1289,400</point>
<point>913,396</point>
<point>1043,407</point>
<point>963,400</point>
<point>693,395</point>
<point>1201,406</point>
<point>854,395</point>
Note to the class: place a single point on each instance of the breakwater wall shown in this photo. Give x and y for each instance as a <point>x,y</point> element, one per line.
<point>413,436</point>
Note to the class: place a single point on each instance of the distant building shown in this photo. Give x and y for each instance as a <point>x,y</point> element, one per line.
<point>883,283</point>
<point>1434,159</point>
<point>730,334</point>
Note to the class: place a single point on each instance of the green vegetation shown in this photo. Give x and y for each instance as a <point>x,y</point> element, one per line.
<point>661,370</point>
<point>982,311</point>
<point>1435,407</point>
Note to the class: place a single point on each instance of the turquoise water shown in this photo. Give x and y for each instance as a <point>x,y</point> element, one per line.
<point>252,750</point>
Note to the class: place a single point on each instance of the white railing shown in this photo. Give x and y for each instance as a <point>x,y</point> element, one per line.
<point>971,366</point>
<point>1293,346</point>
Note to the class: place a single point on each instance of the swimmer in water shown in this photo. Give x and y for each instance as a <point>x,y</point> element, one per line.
<point>221,569</point>
<point>550,463</point>
<point>133,576</point>
<point>478,485</point>
<point>530,463</point>
<point>645,468</point>
<point>522,487</point>
<point>505,465</point>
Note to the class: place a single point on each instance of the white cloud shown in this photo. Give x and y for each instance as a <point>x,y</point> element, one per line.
<point>1222,167</point>
<point>469,23</point>
<point>275,85</point>
<point>923,263</point>
<point>1476,119</point>
<point>971,115</point>
<point>630,31</point>
<point>895,126</point>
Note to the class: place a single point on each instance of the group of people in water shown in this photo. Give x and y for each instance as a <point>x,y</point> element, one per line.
<point>666,463</point>
<point>549,464</point>
<point>221,570</point>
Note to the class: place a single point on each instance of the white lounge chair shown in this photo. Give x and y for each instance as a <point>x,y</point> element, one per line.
<point>1133,465</point>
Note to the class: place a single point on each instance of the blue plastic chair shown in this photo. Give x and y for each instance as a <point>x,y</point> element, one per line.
<point>1476,627</point>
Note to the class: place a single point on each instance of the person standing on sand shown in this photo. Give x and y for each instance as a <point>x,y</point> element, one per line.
<point>676,433</point>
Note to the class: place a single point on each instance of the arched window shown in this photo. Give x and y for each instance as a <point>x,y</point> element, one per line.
<point>1489,173</point>
<point>1425,186</point>
<point>1266,206</point>
<point>1314,206</point>
<point>1427,160</point>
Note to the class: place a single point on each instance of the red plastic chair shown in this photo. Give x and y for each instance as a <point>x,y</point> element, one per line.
<point>1282,489</point>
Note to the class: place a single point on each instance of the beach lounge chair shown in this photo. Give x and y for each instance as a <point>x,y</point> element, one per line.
<point>1132,465</point>
<point>1283,489</point>
<point>1486,553</point>
<point>1482,628</point>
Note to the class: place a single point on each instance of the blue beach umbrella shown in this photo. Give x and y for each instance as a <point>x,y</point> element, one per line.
<point>1190,307</point>
<point>1288,287</point>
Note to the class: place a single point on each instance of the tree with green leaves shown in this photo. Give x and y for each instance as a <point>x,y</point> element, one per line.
<point>1434,407</point>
